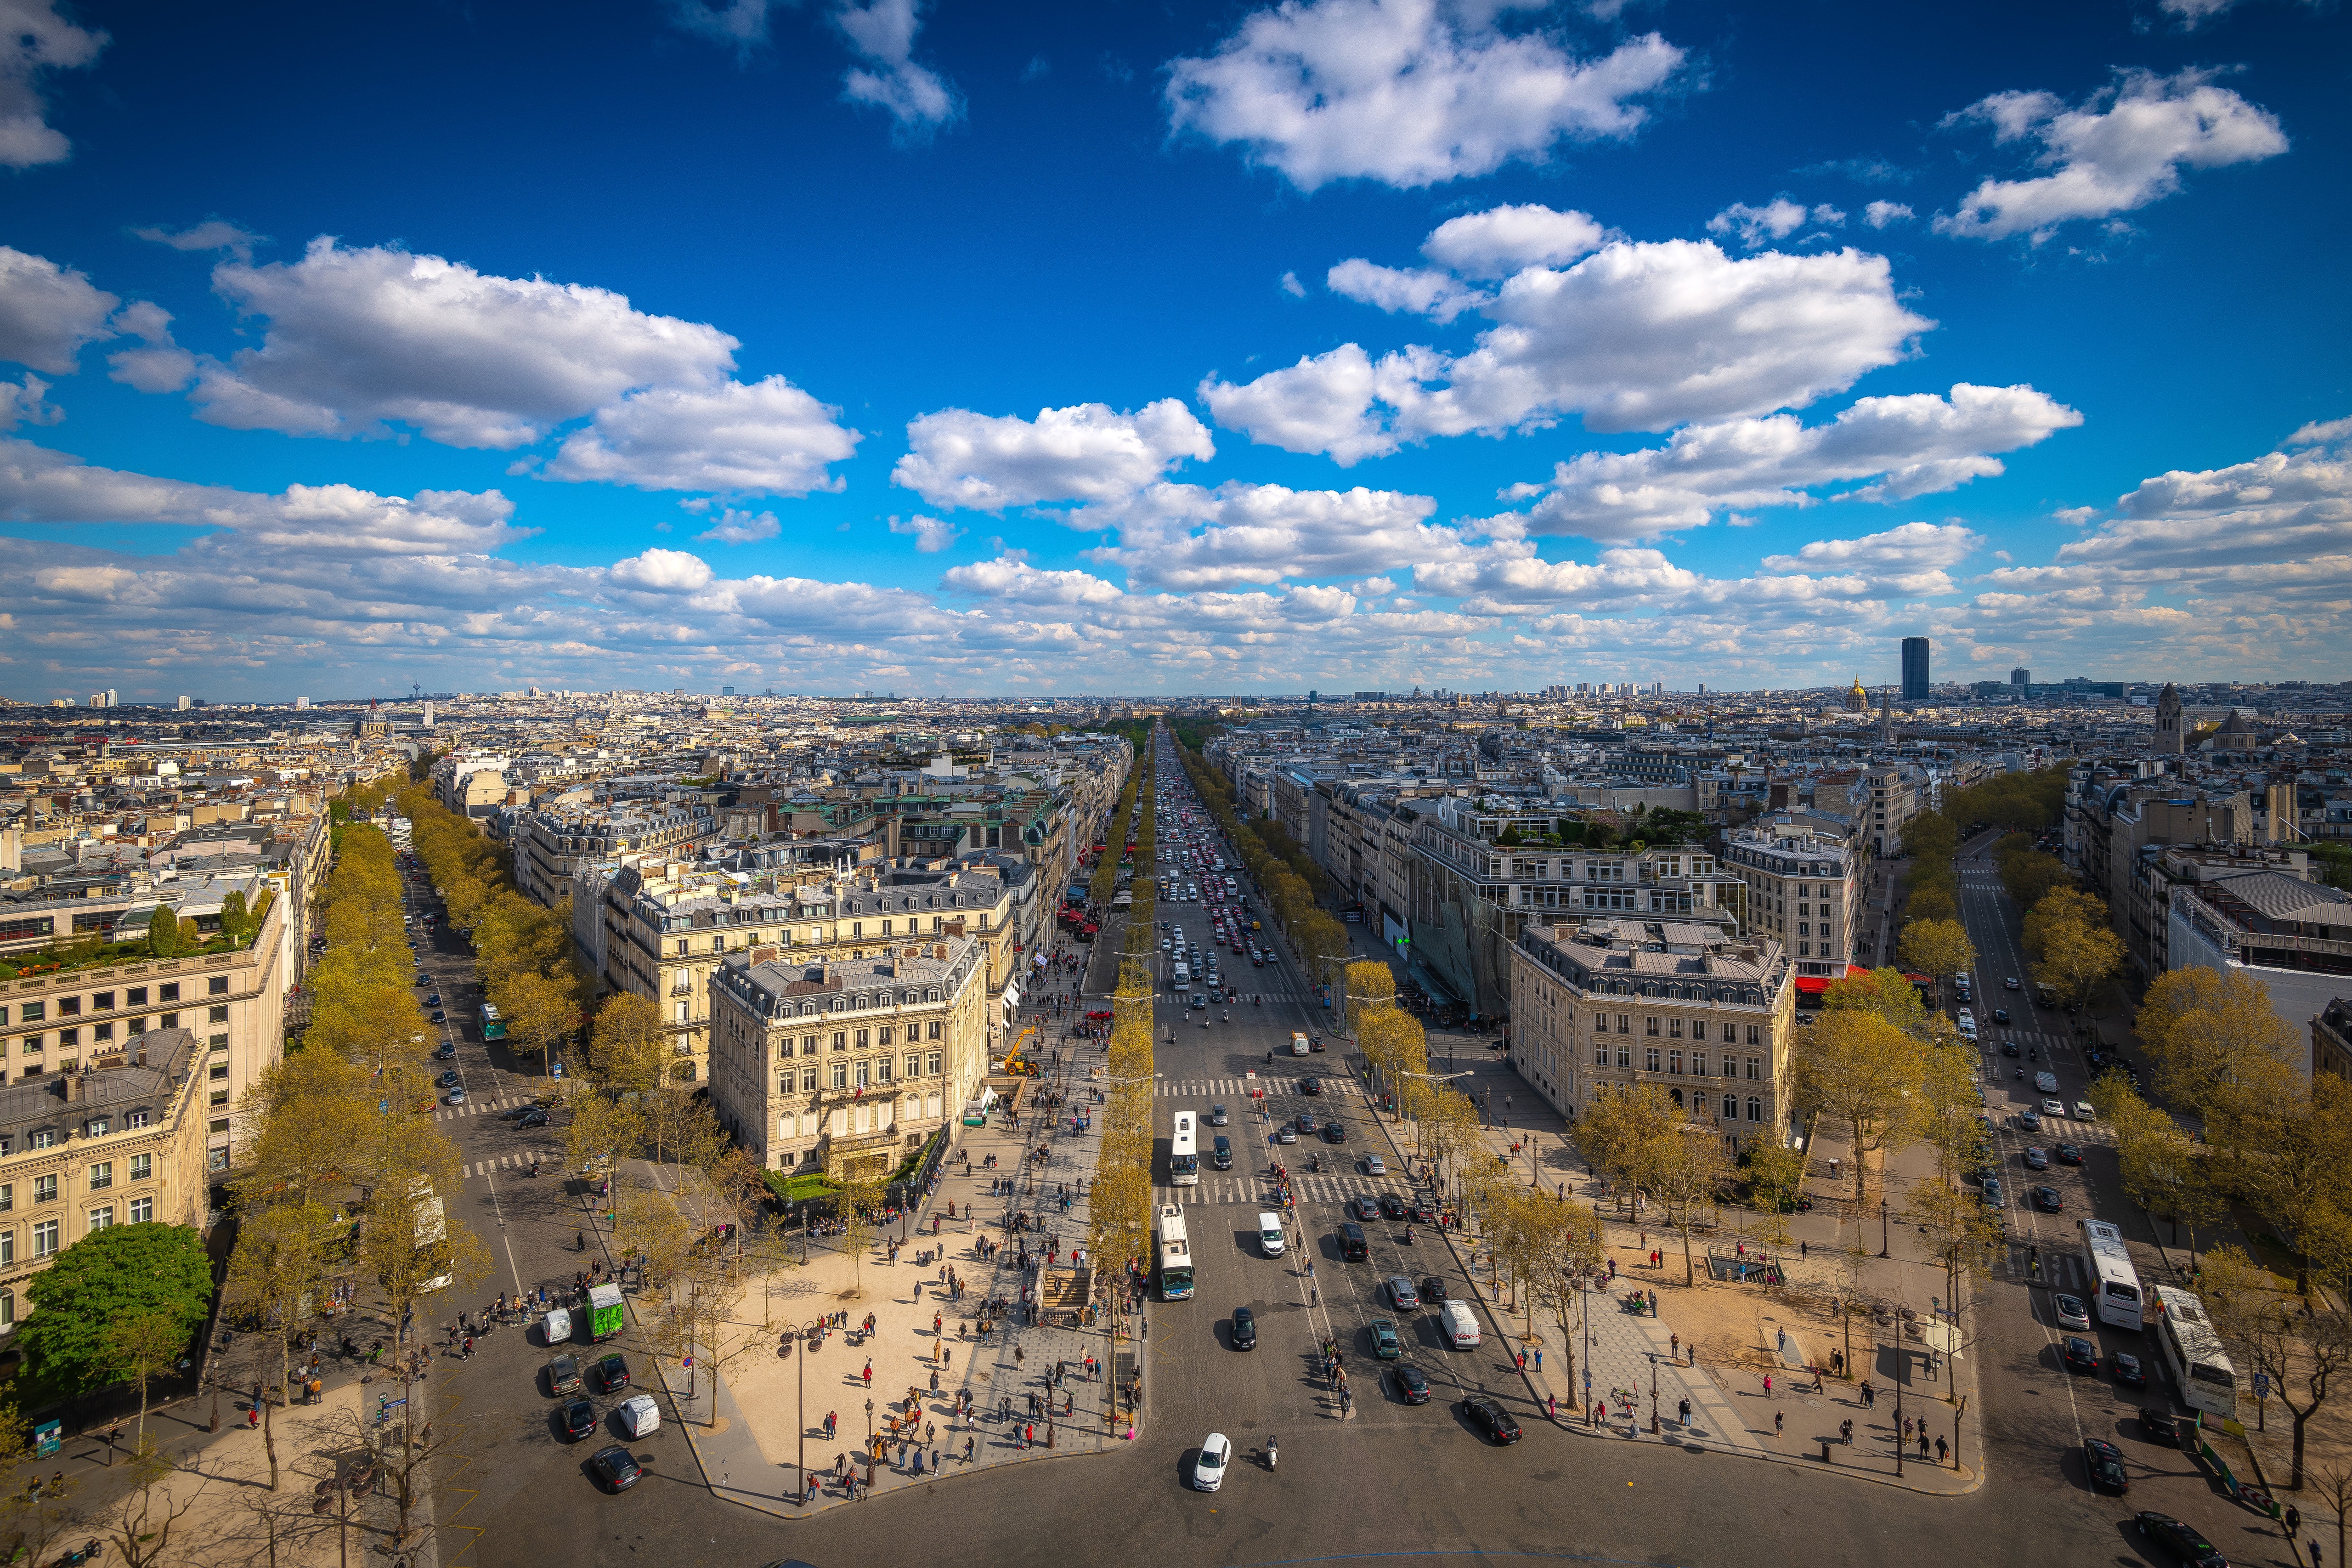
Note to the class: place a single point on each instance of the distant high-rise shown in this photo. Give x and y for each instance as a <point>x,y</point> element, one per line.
<point>2169,740</point>
<point>2021,679</point>
<point>1915,669</point>
<point>428,715</point>
<point>183,703</point>
<point>726,692</point>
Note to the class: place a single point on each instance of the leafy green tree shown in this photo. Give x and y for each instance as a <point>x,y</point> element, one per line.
<point>111,1276</point>
<point>164,932</point>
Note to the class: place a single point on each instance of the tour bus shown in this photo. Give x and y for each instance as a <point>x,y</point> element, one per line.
<point>493,1027</point>
<point>1184,1154</point>
<point>1175,1255</point>
<point>2114,1283</point>
<point>2193,1351</point>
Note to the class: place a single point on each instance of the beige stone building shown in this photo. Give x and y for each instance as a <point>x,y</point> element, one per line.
<point>1689,1004</point>
<point>118,1141</point>
<point>842,1063</point>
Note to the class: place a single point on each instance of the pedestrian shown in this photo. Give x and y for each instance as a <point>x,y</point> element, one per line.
<point>2294,1516</point>
<point>1684,1409</point>
<point>1675,1348</point>
<point>1801,1250</point>
<point>1941,1451</point>
<point>1923,1441</point>
<point>1777,1416</point>
<point>1846,1432</point>
<point>1768,1385</point>
<point>1540,1358</point>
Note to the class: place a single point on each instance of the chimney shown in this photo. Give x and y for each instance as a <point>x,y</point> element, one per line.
<point>77,1087</point>
<point>763,955</point>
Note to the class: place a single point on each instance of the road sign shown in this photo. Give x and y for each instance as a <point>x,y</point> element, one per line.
<point>2261,1386</point>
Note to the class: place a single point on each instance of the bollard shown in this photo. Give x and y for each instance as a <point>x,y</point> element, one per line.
<point>1825,1452</point>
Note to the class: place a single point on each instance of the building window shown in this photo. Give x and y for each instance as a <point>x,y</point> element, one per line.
<point>932,1063</point>
<point>1653,1024</point>
<point>841,1075</point>
<point>142,1210</point>
<point>217,1070</point>
<point>1650,1059</point>
<point>882,1038</point>
<point>1755,1108</point>
<point>170,993</point>
<point>840,1042</point>
<point>7,1247</point>
<point>101,1175</point>
<point>45,1238</point>
<point>135,1119</point>
<point>1755,1068</point>
<point>100,1219</point>
<point>882,1069</point>
<point>1751,1036</point>
<point>934,1032</point>
<point>142,1166</point>
<point>1600,1053</point>
<point>216,1015</point>
<point>219,1098</point>
<point>1698,1064</point>
<point>218,985</point>
<point>808,1045</point>
<point>863,1075</point>
<point>808,1081</point>
<point>1674,1062</point>
<point>170,1021</point>
<point>7,1197</point>
<point>45,1189</point>
<point>1675,1027</point>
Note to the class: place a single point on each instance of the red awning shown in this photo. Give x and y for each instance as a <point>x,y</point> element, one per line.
<point>1811,985</point>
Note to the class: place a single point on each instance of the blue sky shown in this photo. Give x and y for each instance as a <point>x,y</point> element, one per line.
<point>1346,343</point>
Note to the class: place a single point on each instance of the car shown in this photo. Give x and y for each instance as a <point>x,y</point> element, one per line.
<point>2008,1047</point>
<point>425,980</point>
<point>1992,1194</point>
<point>1310,1086</point>
<point>1375,1167</point>
<point>2158,1425</point>
<point>1306,1124</point>
<point>433,1000</point>
<point>534,1117</point>
<point>1209,1470</point>
<point>564,1375</point>
<point>447,1079</point>
<point>1433,1291</point>
<point>2028,1121</point>
<point>2068,1154</point>
<point>1491,1418</point>
<point>1402,1295</point>
<point>446,1052</point>
<point>2000,1015</point>
<point>2179,1541</point>
<point>2127,1371</point>
<point>616,1468</point>
<point>458,1094</point>
<point>611,1372</point>
<point>2053,1108</point>
<point>1285,1133</point>
<point>2105,1463</point>
<point>579,1418</point>
<point>1244,1329</point>
<point>1219,1116</point>
<point>1201,999</point>
<point>2035,1160</point>
<point>1391,1206</point>
<point>1411,1385</point>
<point>2085,1111</point>
<point>2071,1314</point>
<point>2047,1200</point>
<point>1335,1133</point>
<point>1386,1346</point>
<point>2081,1355</point>
<point>2009,984</point>
<point>1363,1208</point>
<point>439,1016</point>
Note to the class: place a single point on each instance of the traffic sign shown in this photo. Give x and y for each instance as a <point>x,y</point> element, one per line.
<point>2261,1386</point>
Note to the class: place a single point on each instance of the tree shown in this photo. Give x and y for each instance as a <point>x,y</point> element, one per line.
<point>540,1011</point>
<point>862,1194</point>
<point>1858,1068</point>
<point>1936,899</point>
<point>2077,958</point>
<point>2058,906</point>
<point>1687,1179</point>
<point>628,1049</point>
<point>140,1350</point>
<point>2301,1354</point>
<point>278,1266</point>
<point>1960,1233</point>
<point>1939,947</point>
<point>2221,1049</point>
<point>145,1519</point>
<point>1885,992</point>
<point>605,1127</point>
<point>164,932</point>
<point>1619,1137</point>
<point>107,1277</point>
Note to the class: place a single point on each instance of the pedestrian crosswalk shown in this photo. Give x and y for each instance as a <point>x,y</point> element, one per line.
<point>1237,1089</point>
<point>1257,1192</point>
<point>478,1107</point>
<point>547,1158</point>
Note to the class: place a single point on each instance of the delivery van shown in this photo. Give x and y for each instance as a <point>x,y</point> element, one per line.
<point>1460,1325</point>
<point>1269,1233</point>
<point>1298,1046</point>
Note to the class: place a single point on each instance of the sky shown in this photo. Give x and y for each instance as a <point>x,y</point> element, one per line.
<point>943,349</point>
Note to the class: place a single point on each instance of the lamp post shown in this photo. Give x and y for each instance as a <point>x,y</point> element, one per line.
<point>869,1445</point>
<point>807,1333</point>
<point>1882,1226</point>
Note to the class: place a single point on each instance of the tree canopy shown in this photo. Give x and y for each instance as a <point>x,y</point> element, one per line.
<point>110,1276</point>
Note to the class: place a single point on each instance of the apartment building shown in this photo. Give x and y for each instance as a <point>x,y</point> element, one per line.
<point>1606,1002</point>
<point>1808,884</point>
<point>846,1065</point>
<point>2291,937</point>
<point>549,841</point>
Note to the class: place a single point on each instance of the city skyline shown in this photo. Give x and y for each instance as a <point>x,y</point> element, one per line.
<point>1252,350</point>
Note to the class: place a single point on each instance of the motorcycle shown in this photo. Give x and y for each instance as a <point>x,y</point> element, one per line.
<point>1407,1236</point>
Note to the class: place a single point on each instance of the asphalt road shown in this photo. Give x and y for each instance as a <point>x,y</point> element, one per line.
<point>1392,1481</point>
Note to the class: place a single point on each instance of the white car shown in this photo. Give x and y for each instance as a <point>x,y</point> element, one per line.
<point>1375,1167</point>
<point>2072,1314</point>
<point>2009,984</point>
<point>639,1415</point>
<point>2053,1108</point>
<point>1209,1470</point>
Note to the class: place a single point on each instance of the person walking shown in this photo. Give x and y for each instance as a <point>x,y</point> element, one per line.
<point>1777,1416</point>
<point>1942,1451</point>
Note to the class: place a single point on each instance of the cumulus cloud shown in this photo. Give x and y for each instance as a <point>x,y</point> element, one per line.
<point>213,234</point>
<point>1089,452</point>
<point>737,527</point>
<point>1633,337</point>
<point>663,572</point>
<point>1406,93</point>
<point>48,313</point>
<point>26,403</point>
<point>919,100</point>
<point>2122,149</point>
<point>1753,226</point>
<point>1290,284</point>
<point>34,42</point>
<point>1421,292</point>
<point>767,437</point>
<point>930,534</point>
<point>1885,215</point>
<point>2320,432</point>
<point>160,365</point>
<point>2281,506</point>
<point>1014,581</point>
<point>1189,537</point>
<point>1906,447</point>
<point>1501,240</point>
<point>740,25</point>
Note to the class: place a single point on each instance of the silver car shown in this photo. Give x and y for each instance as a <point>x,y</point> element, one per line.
<point>2071,1314</point>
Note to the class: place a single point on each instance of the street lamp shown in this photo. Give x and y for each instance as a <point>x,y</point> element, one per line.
<point>1882,1225</point>
<point>808,1334</point>
<point>869,1445</point>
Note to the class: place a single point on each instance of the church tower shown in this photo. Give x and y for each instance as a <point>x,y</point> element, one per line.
<point>2168,738</point>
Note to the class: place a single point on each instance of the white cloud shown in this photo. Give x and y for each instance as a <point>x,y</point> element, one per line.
<point>1290,284</point>
<point>1188,537</point>
<point>930,534</point>
<point>1406,93</point>
<point>741,24</point>
<point>1501,240</point>
<point>1911,561</point>
<point>1885,215</point>
<point>1633,337</point>
<point>2123,149</point>
<point>34,39</point>
<point>48,311</point>
<point>213,234</point>
<point>1777,219</point>
<point>161,365</point>
<point>917,97</point>
<point>2281,506</point>
<point>2320,432</point>
<point>26,403</point>
<point>1089,452</point>
<point>357,337</point>
<point>1014,581</point>
<point>767,437</point>
<point>663,572</point>
<point>739,527</point>
<point>1422,292</point>
<point>2190,14</point>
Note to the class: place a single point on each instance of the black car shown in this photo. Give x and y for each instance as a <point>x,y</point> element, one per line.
<point>2128,1371</point>
<point>448,1079</point>
<point>616,1467</point>
<point>1391,1206</point>
<point>612,1372</point>
<point>439,1018</point>
<point>2008,1047</point>
<point>2000,1015</point>
<point>2105,1463</point>
<point>2047,1200</point>
<point>1411,1386</point>
<point>2082,1355</point>
<point>1244,1329</point>
<point>564,1375</point>
<point>579,1418</point>
<point>1433,1291</point>
<point>1424,1212</point>
<point>534,1117</point>
<point>1335,1133</point>
<point>1305,1124</point>
<point>2179,1540</point>
<point>1492,1419</point>
<point>2067,1154</point>
<point>446,1052</point>
<point>1310,1086</point>
<point>1363,1208</point>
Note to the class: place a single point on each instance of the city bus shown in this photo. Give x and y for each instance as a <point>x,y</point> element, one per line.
<point>1184,1153</point>
<point>2114,1283</point>
<point>2200,1368</point>
<point>493,1027</point>
<point>1175,1255</point>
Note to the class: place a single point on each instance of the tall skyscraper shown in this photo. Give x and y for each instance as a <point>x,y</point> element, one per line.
<point>300,703</point>
<point>183,703</point>
<point>2021,679</point>
<point>1915,669</point>
<point>428,715</point>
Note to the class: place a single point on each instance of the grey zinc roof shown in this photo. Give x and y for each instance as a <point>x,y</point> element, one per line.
<point>2279,897</point>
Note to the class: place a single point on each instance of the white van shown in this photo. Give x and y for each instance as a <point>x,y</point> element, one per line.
<point>1298,1044</point>
<point>555,1329</point>
<point>1183,975</point>
<point>1460,1325</point>
<point>1269,1233</point>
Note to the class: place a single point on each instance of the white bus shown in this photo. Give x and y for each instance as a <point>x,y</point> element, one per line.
<point>2114,1283</point>
<point>1184,1153</point>
<point>1175,1255</point>
<point>2193,1351</point>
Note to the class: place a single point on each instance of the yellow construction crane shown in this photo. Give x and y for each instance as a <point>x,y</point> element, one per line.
<point>1013,1063</point>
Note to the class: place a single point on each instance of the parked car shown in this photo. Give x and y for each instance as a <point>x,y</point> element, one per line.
<point>564,1375</point>
<point>579,1418</point>
<point>612,1372</point>
<point>616,1468</point>
<point>2178,1541</point>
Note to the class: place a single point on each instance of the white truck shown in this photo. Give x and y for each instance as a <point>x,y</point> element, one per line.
<point>1298,1044</point>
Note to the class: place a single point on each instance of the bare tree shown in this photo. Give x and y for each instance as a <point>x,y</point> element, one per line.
<point>141,1349</point>
<point>144,1521</point>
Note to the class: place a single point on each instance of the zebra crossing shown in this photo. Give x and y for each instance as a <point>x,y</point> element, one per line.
<point>1233,1089</point>
<point>1257,1192</point>
<point>480,1107</point>
<point>549,1157</point>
